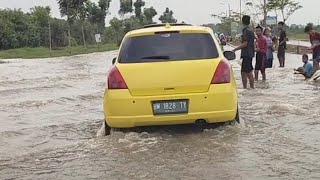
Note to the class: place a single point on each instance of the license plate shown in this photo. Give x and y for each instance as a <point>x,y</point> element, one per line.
<point>170,107</point>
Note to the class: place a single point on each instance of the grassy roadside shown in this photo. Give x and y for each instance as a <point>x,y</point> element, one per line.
<point>42,52</point>
<point>300,36</point>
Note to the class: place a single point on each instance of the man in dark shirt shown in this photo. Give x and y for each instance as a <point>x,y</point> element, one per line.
<point>282,44</point>
<point>315,46</point>
<point>247,52</point>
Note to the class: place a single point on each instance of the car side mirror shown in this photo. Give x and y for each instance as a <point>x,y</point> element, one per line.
<point>230,55</point>
<point>114,60</point>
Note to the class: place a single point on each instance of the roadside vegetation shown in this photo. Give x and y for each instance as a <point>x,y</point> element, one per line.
<point>32,34</point>
<point>282,9</point>
<point>297,31</point>
<point>44,52</point>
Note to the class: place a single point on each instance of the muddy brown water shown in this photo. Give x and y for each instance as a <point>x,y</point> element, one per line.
<point>51,116</point>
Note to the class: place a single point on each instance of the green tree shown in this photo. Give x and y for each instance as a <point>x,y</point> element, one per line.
<point>41,15</point>
<point>255,9</point>
<point>149,14</point>
<point>6,30</point>
<point>167,17</point>
<point>125,7</point>
<point>82,15</point>
<point>41,19</point>
<point>71,9</point>
<point>58,33</point>
<point>19,29</point>
<point>286,7</point>
<point>15,28</point>
<point>67,8</point>
<point>138,9</point>
<point>93,11</point>
<point>104,10</point>
<point>310,24</point>
<point>229,23</point>
<point>117,26</point>
<point>98,13</point>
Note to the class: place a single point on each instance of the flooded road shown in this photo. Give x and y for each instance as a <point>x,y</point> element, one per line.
<point>51,114</point>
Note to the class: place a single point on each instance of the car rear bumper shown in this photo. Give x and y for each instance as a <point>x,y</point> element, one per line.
<point>122,110</point>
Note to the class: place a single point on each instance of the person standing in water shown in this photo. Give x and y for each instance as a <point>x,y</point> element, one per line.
<point>247,52</point>
<point>282,44</point>
<point>267,34</point>
<point>261,56</point>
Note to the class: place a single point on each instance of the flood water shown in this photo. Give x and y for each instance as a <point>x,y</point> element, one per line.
<point>51,116</point>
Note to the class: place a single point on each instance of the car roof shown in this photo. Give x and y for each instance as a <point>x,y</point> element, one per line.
<point>169,27</point>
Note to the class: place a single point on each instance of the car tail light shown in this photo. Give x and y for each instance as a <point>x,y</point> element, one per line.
<point>222,74</point>
<point>115,80</point>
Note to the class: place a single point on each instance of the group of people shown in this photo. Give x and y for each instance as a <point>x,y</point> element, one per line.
<point>263,46</point>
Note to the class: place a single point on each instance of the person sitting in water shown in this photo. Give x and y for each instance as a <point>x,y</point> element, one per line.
<point>307,69</point>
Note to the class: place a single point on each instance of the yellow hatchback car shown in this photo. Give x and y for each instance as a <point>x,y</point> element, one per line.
<point>168,74</point>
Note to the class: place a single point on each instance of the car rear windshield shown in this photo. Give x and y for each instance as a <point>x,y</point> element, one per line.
<point>168,47</point>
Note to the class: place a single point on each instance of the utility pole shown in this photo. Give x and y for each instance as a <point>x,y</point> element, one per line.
<point>228,14</point>
<point>69,27</point>
<point>240,10</point>
<point>49,29</point>
<point>50,45</point>
<point>265,13</point>
<point>239,25</point>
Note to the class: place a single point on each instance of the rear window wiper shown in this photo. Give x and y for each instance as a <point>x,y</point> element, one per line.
<point>157,57</point>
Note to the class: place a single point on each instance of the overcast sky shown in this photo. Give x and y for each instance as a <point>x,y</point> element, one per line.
<point>195,12</point>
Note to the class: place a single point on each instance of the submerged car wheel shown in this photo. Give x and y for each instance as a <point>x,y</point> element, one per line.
<point>107,129</point>
<point>237,119</point>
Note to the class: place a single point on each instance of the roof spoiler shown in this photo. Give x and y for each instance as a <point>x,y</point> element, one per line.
<point>163,25</point>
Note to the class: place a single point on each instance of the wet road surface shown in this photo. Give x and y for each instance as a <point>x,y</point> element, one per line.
<point>51,116</point>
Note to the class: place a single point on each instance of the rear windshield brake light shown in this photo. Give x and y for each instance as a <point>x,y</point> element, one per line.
<point>166,32</point>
